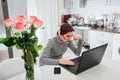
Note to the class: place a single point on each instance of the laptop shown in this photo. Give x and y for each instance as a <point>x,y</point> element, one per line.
<point>89,58</point>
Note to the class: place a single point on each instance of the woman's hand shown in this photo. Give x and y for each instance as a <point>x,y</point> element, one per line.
<point>62,38</point>
<point>66,62</point>
<point>77,37</point>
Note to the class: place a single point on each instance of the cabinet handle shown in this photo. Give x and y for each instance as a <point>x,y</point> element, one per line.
<point>72,4</point>
<point>103,35</point>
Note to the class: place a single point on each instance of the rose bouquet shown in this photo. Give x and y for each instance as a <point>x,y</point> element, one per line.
<point>24,38</point>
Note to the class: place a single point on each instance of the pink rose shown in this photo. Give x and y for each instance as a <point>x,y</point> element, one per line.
<point>8,22</point>
<point>19,26</point>
<point>37,23</point>
<point>21,18</point>
<point>32,18</point>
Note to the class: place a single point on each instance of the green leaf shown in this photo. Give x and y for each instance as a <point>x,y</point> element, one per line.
<point>24,34</point>
<point>39,47</point>
<point>19,43</point>
<point>34,60</point>
<point>17,33</point>
<point>22,57</point>
<point>29,43</point>
<point>18,46</point>
<point>35,53</point>
<point>32,29</point>
<point>34,38</point>
<point>8,41</point>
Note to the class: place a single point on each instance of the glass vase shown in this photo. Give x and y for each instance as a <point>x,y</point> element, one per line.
<point>29,65</point>
<point>30,73</point>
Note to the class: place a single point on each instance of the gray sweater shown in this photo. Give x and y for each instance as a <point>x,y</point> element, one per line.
<point>55,49</point>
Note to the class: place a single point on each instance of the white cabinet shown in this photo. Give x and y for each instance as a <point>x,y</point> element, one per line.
<point>83,31</point>
<point>93,3</point>
<point>74,4</point>
<point>114,2</point>
<point>67,4</point>
<point>97,38</point>
<point>116,46</point>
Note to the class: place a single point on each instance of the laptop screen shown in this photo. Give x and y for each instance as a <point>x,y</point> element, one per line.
<point>92,57</point>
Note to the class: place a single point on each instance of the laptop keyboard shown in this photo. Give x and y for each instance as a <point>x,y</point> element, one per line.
<point>76,60</point>
<point>75,67</point>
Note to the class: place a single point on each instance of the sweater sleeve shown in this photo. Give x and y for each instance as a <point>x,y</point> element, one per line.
<point>76,49</point>
<point>45,57</point>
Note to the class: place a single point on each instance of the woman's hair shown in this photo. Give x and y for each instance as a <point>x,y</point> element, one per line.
<point>65,28</point>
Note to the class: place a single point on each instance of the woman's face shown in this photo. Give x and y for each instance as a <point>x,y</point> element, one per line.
<point>68,36</point>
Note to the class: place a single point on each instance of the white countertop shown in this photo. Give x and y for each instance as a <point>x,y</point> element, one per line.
<point>106,70</point>
<point>81,27</point>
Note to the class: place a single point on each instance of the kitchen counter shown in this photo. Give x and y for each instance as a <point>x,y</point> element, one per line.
<point>81,27</point>
<point>113,30</point>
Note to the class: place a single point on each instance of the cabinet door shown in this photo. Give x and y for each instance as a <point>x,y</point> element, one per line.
<point>75,4</point>
<point>98,38</point>
<point>92,3</point>
<point>72,4</point>
<point>68,4</point>
<point>114,2</point>
<point>116,46</point>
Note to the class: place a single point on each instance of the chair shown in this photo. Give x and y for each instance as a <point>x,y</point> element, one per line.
<point>11,67</point>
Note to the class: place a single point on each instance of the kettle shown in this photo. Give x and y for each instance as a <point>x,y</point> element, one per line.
<point>81,21</point>
<point>71,20</point>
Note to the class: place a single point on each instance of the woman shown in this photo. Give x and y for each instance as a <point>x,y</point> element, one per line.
<point>57,46</point>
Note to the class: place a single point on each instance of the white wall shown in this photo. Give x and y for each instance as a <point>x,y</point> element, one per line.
<point>17,7</point>
<point>47,10</point>
<point>31,8</point>
<point>62,10</point>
